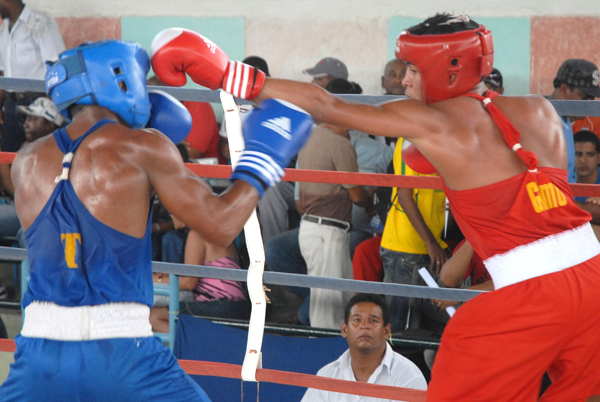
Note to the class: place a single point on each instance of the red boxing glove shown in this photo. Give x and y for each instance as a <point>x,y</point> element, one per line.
<point>243,81</point>
<point>415,159</point>
<point>177,51</point>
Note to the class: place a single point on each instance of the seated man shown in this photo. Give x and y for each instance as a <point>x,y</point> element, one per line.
<point>587,158</point>
<point>327,213</point>
<point>42,119</point>
<point>369,358</point>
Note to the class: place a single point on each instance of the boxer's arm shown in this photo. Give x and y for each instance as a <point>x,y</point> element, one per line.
<point>454,270</point>
<point>405,118</point>
<point>593,209</point>
<point>361,197</point>
<point>177,53</point>
<point>190,199</point>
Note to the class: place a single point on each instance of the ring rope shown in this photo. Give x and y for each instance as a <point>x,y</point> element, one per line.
<point>563,107</point>
<point>359,179</point>
<point>298,280</point>
<point>214,369</point>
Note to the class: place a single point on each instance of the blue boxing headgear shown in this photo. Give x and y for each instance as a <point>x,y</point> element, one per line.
<point>111,74</point>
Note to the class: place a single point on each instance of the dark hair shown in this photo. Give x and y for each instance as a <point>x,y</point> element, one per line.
<point>342,86</point>
<point>443,23</point>
<point>257,62</point>
<point>587,136</point>
<point>368,297</point>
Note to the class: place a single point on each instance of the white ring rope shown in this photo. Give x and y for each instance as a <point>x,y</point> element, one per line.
<point>256,251</point>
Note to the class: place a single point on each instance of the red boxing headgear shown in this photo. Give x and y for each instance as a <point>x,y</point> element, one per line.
<point>467,55</point>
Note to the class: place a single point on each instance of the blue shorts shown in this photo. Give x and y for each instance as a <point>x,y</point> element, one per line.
<point>124,369</point>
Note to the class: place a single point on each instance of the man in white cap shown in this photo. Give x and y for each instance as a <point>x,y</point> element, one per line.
<point>326,70</point>
<point>42,119</point>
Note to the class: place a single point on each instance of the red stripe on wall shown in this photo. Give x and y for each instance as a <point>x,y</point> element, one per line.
<point>556,39</point>
<point>76,30</point>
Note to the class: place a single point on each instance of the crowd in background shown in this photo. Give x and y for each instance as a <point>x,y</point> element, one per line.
<point>329,230</point>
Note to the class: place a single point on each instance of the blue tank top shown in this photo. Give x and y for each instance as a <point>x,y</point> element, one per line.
<point>77,260</point>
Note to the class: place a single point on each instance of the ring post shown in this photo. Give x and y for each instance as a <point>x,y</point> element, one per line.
<point>256,252</point>
<point>24,283</point>
<point>173,307</point>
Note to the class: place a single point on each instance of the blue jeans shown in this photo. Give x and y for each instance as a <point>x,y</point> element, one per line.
<point>173,246</point>
<point>9,221</point>
<point>282,254</point>
<point>403,268</point>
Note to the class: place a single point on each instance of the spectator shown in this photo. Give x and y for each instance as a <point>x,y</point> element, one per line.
<point>326,70</point>
<point>367,264</point>
<point>369,357</point>
<point>411,240</point>
<point>203,139</point>
<point>393,74</point>
<point>37,39</point>
<point>494,82</point>
<point>464,269</point>
<point>168,233</point>
<point>587,150</point>
<point>327,210</point>
<point>588,123</point>
<point>576,79</point>
<point>373,157</point>
<point>42,119</point>
<point>391,82</point>
<point>204,296</point>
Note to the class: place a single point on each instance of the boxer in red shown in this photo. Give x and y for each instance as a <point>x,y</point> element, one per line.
<point>508,191</point>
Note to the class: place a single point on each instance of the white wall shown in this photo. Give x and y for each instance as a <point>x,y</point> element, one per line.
<point>308,9</point>
<point>293,35</point>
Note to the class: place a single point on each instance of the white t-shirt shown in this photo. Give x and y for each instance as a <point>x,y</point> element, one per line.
<point>34,39</point>
<point>395,370</point>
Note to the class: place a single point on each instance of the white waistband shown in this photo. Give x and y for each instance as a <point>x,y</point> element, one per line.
<point>544,256</point>
<point>82,323</point>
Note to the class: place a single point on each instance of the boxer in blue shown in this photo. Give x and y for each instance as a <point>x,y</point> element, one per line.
<point>83,197</point>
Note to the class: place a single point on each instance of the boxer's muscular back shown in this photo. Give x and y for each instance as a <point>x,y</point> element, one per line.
<point>116,170</point>
<point>106,174</point>
<point>471,151</point>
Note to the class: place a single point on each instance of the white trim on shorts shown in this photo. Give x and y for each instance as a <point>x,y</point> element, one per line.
<point>83,323</point>
<point>544,256</point>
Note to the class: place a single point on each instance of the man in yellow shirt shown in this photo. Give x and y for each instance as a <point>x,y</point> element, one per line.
<point>411,238</point>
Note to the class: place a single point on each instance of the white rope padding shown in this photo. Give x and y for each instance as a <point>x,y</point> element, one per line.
<point>256,251</point>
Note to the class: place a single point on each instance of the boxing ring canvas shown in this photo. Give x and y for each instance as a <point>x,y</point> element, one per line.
<point>199,339</point>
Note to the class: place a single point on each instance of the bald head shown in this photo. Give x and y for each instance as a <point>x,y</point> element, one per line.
<point>393,74</point>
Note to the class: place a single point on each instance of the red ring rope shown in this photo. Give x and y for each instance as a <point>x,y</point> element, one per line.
<point>362,179</point>
<point>214,369</point>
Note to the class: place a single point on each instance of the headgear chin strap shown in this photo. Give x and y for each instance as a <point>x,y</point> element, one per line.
<point>450,64</point>
<point>111,74</point>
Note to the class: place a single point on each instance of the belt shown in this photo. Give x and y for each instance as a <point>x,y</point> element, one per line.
<point>327,222</point>
<point>16,96</point>
<point>84,323</point>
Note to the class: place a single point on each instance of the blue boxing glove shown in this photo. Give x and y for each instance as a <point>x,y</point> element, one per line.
<point>169,116</point>
<point>273,134</point>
